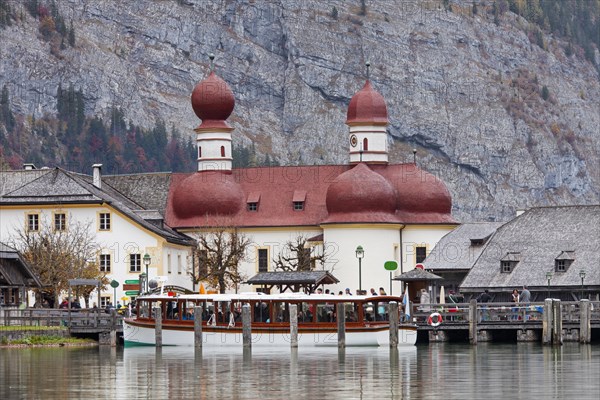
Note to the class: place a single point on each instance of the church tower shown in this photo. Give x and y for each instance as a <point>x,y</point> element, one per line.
<point>213,102</point>
<point>367,119</point>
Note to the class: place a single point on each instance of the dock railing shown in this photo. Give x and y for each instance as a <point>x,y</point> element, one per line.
<point>510,313</point>
<point>77,319</point>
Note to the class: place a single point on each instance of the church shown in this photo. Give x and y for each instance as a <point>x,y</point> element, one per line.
<point>392,212</point>
<point>359,215</point>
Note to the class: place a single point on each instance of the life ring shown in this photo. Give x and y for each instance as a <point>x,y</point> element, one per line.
<point>438,319</point>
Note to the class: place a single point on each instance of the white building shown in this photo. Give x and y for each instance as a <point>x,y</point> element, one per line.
<point>123,230</point>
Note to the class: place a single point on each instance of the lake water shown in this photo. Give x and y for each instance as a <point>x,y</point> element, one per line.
<point>436,371</point>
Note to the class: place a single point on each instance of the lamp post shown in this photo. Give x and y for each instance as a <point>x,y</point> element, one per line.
<point>360,253</point>
<point>147,261</point>
<point>548,277</point>
<point>582,276</point>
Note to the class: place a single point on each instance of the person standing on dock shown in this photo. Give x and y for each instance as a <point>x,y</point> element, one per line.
<point>525,296</point>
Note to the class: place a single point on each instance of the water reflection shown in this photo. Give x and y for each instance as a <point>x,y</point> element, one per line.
<point>449,371</point>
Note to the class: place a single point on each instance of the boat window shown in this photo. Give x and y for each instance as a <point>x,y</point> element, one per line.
<point>325,312</point>
<point>350,312</point>
<point>282,312</point>
<point>305,312</point>
<point>381,311</point>
<point>261,312</point>
<point>368,312</point>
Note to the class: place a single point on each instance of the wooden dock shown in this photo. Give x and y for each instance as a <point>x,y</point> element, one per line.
<point>15,322</point>
<point>550,322</point>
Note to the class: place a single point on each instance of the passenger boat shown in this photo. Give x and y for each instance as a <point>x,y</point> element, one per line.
<point>366,320</point>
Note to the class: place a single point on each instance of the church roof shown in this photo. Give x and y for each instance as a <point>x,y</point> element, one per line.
<point>275,187</point>
<point>533,241</point>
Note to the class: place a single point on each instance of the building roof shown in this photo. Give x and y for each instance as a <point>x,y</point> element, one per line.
<point>420,197</point>
<point>57,186</point>
<point>15,270</point>
<point>417,274</point>
<point>461,247</point>
<point>293,278</point>
<point>540,236</point>
<point>150,190</point>
<point>213,102</point>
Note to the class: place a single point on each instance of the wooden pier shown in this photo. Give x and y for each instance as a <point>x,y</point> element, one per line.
<point>106,327</point>
<point>550,322</point>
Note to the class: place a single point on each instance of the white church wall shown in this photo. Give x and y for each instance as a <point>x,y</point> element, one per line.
<point>379,243</point>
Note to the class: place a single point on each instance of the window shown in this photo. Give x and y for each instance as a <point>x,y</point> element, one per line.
<point>365,144</point>
<point>252,206</point>
<point>169,263</point>
<point>222,151</point>
<point>506,267</point>
<point>60,222</point>
<point>561,265</point>
<point>33,222</point>
<point>135,263</point>
<point>179,264</point>
<point>421,254</point>
<point>199,151</point>
<point>202,267</point>
<point>104,262</point>
<point>104,300</point>
<point>104,221</point>
<point>298,205</point>
<point>263,260</point>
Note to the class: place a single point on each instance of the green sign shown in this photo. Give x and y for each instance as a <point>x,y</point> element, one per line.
<point>391,265</point>
<point>132,282</point>
<point>132,292</point>
<point>114,284</point>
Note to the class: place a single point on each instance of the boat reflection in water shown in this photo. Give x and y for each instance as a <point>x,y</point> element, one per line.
<point>366,320</point>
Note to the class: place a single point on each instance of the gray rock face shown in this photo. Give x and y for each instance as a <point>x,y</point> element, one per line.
<point>462,91</point>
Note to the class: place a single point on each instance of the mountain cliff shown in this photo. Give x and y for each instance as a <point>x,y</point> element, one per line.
<point>505,112</point>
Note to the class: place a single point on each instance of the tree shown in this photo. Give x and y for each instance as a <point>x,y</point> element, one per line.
<point>297,255</point>
<point>545,92</point>
<point>57,256</point>
<point>218,254</point>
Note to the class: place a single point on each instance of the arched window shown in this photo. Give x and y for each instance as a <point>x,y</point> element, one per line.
<point>222,151</point>
<point>199,151</point>
<point>365,144</point>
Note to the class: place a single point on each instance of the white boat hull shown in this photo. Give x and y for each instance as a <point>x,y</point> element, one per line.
<point>134,334</point>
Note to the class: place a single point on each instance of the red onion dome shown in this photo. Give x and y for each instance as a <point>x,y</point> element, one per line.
<point>213,102</point>
<point>367,106</point>
<point>419,191</point>
<point>360,190</point>
<point>207,193</point>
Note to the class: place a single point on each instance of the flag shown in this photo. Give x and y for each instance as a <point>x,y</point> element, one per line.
<point>406,303</point>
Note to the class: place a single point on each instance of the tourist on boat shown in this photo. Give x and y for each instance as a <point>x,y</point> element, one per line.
<point>382,292</point>
<point>319,291</point>
<point>348,292</point>
<point>373,292</point>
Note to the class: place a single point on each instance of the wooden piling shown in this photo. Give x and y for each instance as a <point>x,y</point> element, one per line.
<point>393,313</point>
<point>158,326</point>
<point>557,333</point>
<point>294,325</point>
<point>585,328</point>
<point>547,323</point>
<point>341,325</point>
<point>473,317</point>
<point>113,327</point>
<point>198,327</point>
<point>246,326</point>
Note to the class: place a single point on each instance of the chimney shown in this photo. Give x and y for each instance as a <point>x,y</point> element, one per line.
<point>97,176</point>
<point>28,167</point>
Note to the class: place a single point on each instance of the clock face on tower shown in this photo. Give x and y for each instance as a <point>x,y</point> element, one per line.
<point>353,141</point>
